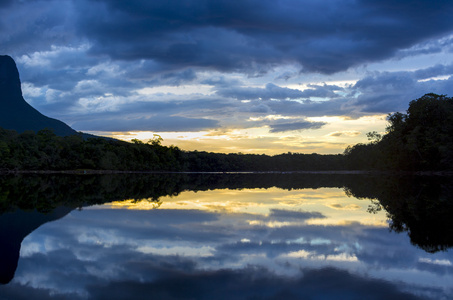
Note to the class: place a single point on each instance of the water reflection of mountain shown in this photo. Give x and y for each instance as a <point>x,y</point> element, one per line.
<point>419,205</point>
<point>14,227</point>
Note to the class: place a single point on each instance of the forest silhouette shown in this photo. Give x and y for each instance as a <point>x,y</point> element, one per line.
<point>419,140</point>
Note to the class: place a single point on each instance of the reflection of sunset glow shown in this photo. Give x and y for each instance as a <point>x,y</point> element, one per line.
<point>142,204</point>
<point>332,203</point>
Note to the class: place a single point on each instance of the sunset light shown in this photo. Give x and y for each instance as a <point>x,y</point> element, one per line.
<point>226,149</point>
<point>272,87</point>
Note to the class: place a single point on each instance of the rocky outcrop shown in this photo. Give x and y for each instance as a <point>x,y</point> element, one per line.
<point>15,112</point>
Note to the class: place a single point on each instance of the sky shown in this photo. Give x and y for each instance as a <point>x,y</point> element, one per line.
<point>250,76</point>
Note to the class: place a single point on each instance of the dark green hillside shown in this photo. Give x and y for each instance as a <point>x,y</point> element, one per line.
<point>15,113</point>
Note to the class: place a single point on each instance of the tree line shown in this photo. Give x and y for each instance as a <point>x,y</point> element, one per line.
<point>421,139</point>
<point>46,151</point>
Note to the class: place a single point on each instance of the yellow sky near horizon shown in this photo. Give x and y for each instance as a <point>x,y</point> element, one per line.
<point>332,138</point>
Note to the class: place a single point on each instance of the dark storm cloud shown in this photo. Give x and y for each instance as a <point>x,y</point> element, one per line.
<point>323,36</point>
<point>5,3</point>
<point>80,51</point>
<point>29,26</point>
<point>428,47</point>
<point>249,36</point>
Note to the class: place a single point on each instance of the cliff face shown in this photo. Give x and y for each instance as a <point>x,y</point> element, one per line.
<point>15,112</point>
<point>9,78</point>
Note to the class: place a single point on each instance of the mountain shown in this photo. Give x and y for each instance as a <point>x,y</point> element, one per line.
<point>15,112</point>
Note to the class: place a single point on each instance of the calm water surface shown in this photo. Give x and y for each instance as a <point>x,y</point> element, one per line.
<point>222,238</point>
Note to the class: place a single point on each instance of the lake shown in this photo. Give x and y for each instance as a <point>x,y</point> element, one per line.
<point>226,236</point>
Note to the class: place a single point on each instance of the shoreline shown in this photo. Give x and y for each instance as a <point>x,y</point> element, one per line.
<point>331,172</point>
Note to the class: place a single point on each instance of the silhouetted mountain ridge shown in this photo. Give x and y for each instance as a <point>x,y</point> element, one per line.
<point>15,112</point>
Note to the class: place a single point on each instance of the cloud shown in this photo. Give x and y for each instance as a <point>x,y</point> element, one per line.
<point>344,133</point>
<point>386,92</point>
<point>283,215</point>
<point>111,100</point>
<point>250,282</point>
<point>428,47</point>
<point>333,107</point>
<point>325,37</point>
<point>88,62</point>
<point>282,127</point>
<point>257,283</point>
<point>6,3</point>
<point>153,123</point>
<point>250,36</point>
<point>434,71</point>
<point>45,23</point>
<point>164,113</point>
<point>271,91</point>
<point>345,207</point>
<point>274,92</point>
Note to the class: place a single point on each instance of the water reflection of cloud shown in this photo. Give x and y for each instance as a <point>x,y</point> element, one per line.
<point>194,249</point>
<point>261,201</point>
<point>442,262</point>
<point>282,214</point>
<point>315,256</point>
<point>203,251</point>
<point>137,204</point>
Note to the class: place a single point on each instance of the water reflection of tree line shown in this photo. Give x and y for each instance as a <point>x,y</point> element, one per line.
<point>421,206</point>
<point>45,192</point>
